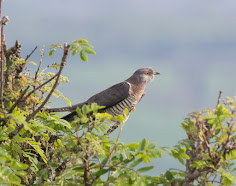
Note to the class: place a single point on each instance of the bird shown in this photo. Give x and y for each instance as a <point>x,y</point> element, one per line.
<point>115,99</point>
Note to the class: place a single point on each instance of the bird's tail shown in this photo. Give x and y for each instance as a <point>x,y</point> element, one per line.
<point>65,109</point>
<point>69,117</point>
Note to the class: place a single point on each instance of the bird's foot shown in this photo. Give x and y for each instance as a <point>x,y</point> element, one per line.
<point>133,108</point>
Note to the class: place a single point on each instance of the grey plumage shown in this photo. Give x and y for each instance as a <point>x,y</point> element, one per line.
<point>118,97</point>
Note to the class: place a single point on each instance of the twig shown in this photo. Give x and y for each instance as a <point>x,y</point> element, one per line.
<point>28,56</point>
<point>109,159</point>
<point>208,146</point>
<point>112,152</point>
<point>218,101</point>
<point>214,181</point>
<point>37,71</point>
<point>63,61</point>
<point>229,133</point>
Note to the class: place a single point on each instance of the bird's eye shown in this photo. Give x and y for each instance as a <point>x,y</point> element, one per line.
<point>147,73</point>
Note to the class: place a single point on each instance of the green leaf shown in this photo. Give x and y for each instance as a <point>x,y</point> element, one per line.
<point>89,50</point>
<point>86,44</point>
<point>6,172</point>
<point>64,123</point>
<point>14,179</point>
<point>98,129</point>
<point>169,175</point>
<point>83,56</point>
<point>51,52</point>
<point>185,156</point>
<point>31,62</point>
<point>133,145</point>
<point>145,169</point>
<point>68,101</point>
<point>76,50</point>
<point>159,152</point>
<point>46,136</point>
<point>101,172</point>
<point>10,63</point>
<point>126,112</point>
<point>82,41</point>
<point>104,161</point>
<point>20,173</point>
<point>152,145</point>
<point>136,162</point>
<point>142,145</point>
<point>74,45</point>
<point>119,118</point>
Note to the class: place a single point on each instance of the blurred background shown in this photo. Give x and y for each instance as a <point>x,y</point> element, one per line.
<point>191,43</point>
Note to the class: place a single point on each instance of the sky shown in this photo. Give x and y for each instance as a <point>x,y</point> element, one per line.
<point>191,43</point>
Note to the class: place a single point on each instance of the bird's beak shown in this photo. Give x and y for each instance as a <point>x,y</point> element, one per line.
<point>157,73</point>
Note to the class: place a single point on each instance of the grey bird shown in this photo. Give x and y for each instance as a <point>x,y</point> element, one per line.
<point>123,95</point>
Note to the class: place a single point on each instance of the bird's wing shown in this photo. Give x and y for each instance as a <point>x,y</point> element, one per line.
<point>112,95</point>
<point>107,98</point>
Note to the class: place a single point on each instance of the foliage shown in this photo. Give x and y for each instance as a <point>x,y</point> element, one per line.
<point>40,148</point>
<point>49,150</point>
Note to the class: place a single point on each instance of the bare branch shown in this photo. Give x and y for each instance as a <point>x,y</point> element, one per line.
<point>28,56</point>
<point>218,101</point>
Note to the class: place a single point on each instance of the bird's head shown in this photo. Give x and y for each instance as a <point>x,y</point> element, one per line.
<point>143,75</point>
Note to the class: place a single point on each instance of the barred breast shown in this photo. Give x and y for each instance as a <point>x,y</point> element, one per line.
<point>119,108</point>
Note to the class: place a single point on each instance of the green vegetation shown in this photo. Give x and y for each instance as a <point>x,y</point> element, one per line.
<point>38,148</point>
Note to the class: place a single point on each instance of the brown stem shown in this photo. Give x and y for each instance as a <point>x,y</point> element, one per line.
<point>86,172</point>
<point>2,62</point>
<point>218,101</point>
<point>36,73</point>
<point>28,56</point>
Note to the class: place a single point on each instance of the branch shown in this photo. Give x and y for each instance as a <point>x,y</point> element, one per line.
<point>3,22</point>
<point>218,101</point>
<point>63,62</point>
<point>28,56</point>
<point>41,60</point>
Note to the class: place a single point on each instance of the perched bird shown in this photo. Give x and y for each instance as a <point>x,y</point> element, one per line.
<point>116,98</point>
